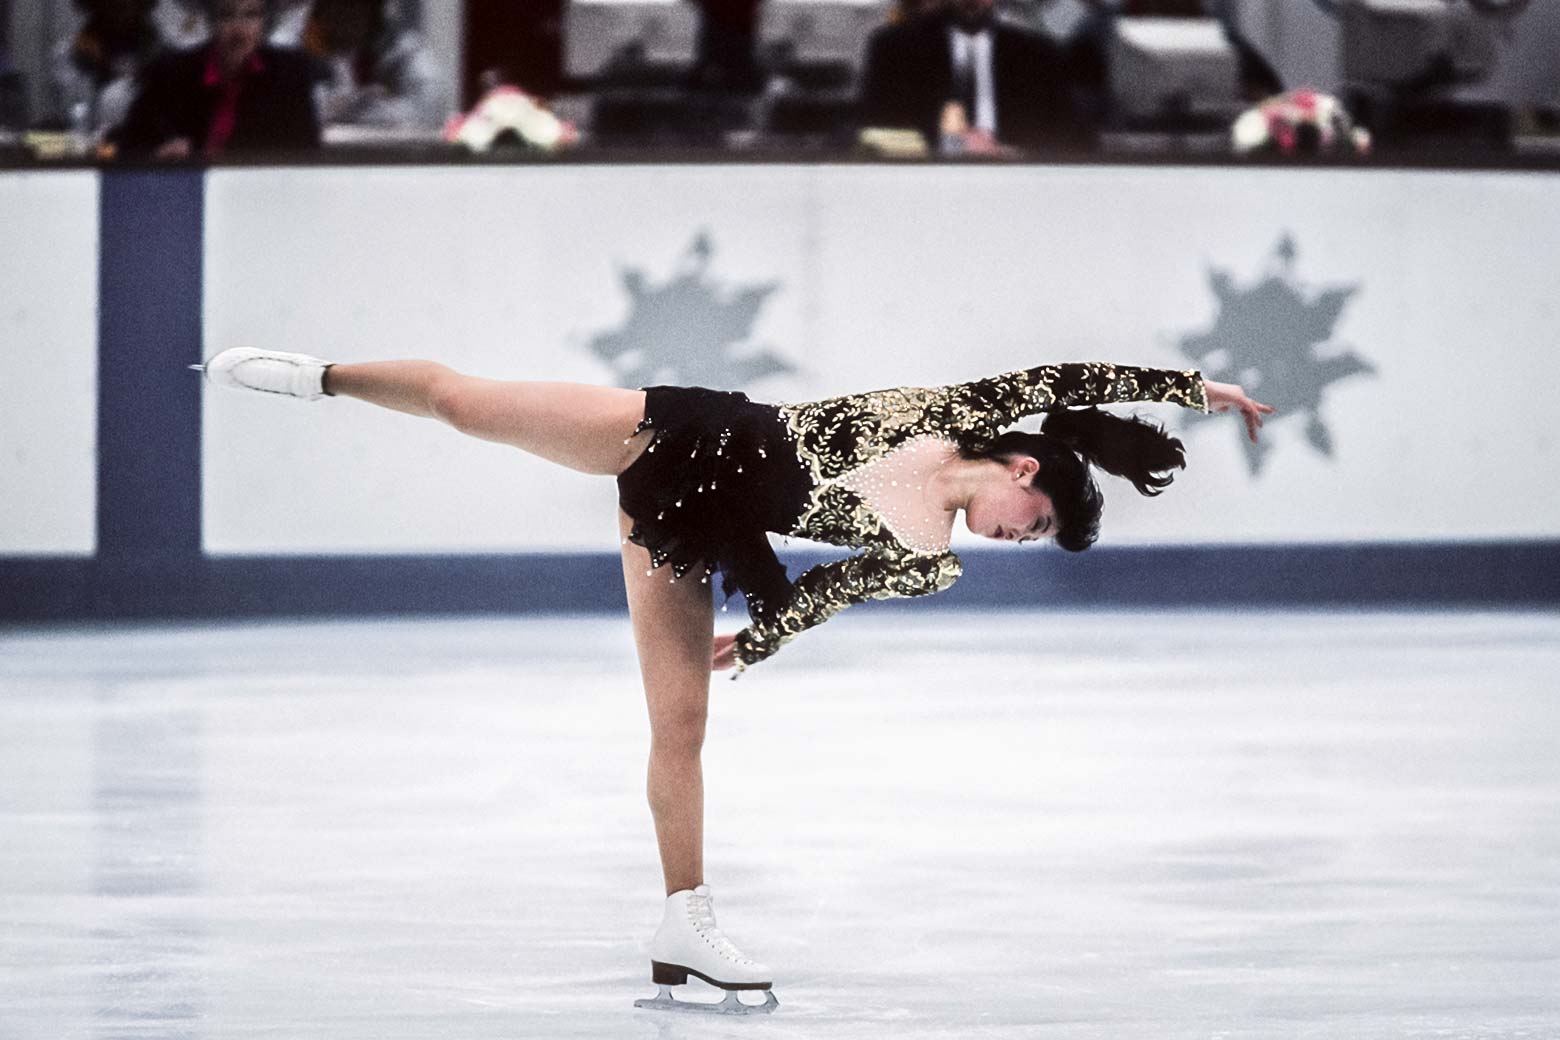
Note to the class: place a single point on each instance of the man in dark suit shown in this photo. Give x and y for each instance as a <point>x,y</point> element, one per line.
<point>1009,84</point>
<point>234,95</point>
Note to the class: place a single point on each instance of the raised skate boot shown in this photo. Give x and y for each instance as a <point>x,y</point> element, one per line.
<point>268,371</point>
<point>689,943</point>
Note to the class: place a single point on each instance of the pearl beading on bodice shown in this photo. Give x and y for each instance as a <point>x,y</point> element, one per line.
<point>893,486</point>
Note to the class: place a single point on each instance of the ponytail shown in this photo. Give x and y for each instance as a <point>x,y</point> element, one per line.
<point>1068,442</point>
<point>1135,449</point>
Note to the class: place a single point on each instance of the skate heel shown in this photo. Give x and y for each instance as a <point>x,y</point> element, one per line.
<point>667,974</point>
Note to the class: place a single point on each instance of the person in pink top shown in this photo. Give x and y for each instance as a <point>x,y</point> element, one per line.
<point>235,94</point>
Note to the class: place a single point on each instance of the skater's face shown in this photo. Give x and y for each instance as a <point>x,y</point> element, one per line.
<point>1008,507</point>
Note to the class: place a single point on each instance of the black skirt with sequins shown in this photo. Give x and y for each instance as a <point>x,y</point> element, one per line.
<point>719,473</point>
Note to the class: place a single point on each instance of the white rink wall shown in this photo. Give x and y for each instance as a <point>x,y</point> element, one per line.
<point>48,363</point>
<point>874,276</point>
<point>797,282</point>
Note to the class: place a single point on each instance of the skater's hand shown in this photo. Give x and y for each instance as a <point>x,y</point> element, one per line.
<point>1224,396</point>
<point>725,653</point>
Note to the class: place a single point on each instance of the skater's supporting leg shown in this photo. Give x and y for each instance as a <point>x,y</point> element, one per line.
<point>573,424</point>
<point>673,630</point>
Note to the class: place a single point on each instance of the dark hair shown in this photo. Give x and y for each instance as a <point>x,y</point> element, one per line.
<point>213,10</point>
<point>1132,448</point>
<point>1068,442</point>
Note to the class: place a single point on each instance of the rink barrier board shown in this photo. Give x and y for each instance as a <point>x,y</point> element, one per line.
<point>149,325</point>
<point>149,562</point>
<point>1505,575</point>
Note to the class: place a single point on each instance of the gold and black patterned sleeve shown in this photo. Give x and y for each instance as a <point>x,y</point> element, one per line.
<point>990,405</point>
<point>821,592</point>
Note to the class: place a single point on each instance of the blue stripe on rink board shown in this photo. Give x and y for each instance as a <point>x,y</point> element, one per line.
<point>149,330</point>
<point>1494,575</point>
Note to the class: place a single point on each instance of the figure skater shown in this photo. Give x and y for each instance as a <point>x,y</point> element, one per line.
<point>703,475</point>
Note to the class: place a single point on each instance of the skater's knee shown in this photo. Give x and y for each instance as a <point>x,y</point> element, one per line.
<point>449,398</point>
<point>680,742</point>
<point>678,731</point>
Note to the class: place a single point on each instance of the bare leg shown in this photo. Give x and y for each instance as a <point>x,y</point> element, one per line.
<point>673,626</point>
<point>587,428</point>
<point>573,424</point>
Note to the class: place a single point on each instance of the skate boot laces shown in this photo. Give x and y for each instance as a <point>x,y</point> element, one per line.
<point>701,912</point>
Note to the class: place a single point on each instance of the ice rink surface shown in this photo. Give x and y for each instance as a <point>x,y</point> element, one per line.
<point>930,824</point>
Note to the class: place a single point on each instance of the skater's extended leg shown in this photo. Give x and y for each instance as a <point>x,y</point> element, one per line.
<point>673,630</point>
<point>574,424</point>
<point>405,386</point>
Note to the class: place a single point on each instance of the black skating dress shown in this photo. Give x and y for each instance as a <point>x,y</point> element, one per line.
<point>721,471</point>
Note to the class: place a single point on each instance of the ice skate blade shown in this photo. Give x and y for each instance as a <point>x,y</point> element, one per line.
<point>731,1005</point>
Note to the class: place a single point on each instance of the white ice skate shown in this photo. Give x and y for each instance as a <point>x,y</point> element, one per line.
<point>689,943</point>
<point>268,371</point>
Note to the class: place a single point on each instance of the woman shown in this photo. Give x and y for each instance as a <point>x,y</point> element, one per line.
<point>376,74</point>
<point>703,475</point>
<point>236,94</point>
<point>96,68</point>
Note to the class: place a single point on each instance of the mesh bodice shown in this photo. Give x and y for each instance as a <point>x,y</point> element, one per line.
<point>895,487</point>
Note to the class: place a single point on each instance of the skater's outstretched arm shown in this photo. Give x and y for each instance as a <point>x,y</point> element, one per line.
<point>988,406</point>
<point>821,592</point>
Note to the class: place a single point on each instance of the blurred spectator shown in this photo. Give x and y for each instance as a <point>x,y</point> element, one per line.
<point>96,68</point>
<point>1002,84</point>
<point>184,23</point>
<point>236,94</point>
<point>377,74</point>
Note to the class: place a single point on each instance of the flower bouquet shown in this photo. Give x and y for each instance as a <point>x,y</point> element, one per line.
<point>1299,122</point>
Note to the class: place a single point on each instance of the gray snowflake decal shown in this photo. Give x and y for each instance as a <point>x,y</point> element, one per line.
<point>689,329</point>
<point>1274,338</point>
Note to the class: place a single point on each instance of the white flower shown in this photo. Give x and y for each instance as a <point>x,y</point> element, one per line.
<point>510,109</point>
<point>1250,131</point>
